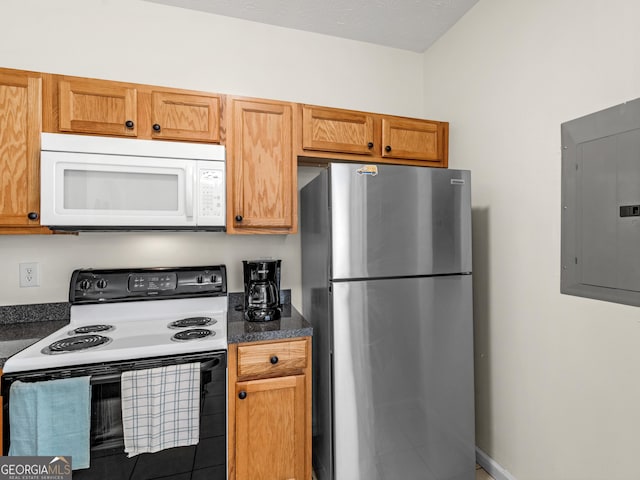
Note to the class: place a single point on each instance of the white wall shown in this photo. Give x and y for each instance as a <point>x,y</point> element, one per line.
<point>558,388</point>
<point>136,41</point>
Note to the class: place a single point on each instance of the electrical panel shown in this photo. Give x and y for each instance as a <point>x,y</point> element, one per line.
<point>600,254</point>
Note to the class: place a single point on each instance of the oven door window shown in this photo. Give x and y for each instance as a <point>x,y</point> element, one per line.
<point>106,419</point>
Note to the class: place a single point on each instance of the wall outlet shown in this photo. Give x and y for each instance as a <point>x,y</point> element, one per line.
<point>29,275</point>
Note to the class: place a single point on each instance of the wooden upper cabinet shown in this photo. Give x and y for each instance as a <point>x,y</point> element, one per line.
<point>104,107</point>
<point>182,116</point>
<point>347,135</point>
<point>97,106</point>
<point>412,139</point>
<point>332,130</point>
<point>261,167</point>
<point>20,124</point>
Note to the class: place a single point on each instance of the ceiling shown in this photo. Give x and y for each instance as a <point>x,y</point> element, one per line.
<point>406,24</point>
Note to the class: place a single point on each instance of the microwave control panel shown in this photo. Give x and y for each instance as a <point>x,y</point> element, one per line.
<point>211,198</point>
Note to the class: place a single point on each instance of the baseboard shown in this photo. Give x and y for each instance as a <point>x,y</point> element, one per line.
<point>492,467</point>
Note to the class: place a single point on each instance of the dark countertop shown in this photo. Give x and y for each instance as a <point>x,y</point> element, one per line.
<point>290,324</point>
<point>23,325</point>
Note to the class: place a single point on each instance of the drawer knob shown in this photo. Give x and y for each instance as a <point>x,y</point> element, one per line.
<point>129,124</point>
<point>156,127</point>
<point>242,395</point>
<point>274,360</point>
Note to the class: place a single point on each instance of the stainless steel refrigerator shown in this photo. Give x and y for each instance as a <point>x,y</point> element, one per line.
<point>386,277</point>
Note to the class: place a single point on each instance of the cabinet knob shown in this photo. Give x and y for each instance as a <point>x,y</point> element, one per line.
<point>274,360</point>
<point>370,145</point>
<point>242,395</point>
<point>32,215</point>
<point>156,127</point>
<point>387,148</point>
<point>129,124</point>
<point>238,218</point>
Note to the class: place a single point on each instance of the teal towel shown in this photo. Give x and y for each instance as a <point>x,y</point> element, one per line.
<point>51,419</point>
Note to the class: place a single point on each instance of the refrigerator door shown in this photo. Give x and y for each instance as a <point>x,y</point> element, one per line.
<point>403,379</point>
<point>402,221</point>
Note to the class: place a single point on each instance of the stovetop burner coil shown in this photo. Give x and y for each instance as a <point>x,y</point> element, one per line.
<point>192,334</point>
<point>91,329</point>
<point>192,322</point>
<point>74,344</point>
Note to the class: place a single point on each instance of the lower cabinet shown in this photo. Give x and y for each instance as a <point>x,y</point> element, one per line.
<point>270,410</point>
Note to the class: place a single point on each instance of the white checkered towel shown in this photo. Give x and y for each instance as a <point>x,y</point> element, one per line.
<point>161,408</point>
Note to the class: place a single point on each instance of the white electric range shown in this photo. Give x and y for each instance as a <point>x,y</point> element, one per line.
<point>127,320</point>
<point>132,314</point>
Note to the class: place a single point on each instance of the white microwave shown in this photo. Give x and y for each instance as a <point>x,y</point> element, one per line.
<point>106,183</point>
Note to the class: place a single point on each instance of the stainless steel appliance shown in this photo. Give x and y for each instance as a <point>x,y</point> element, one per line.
<point>261,290</point>
<point>105,183</point>
<point>386,275</point>
<point>124,320</point>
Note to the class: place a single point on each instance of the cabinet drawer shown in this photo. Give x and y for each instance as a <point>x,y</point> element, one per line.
<point>272,359</point>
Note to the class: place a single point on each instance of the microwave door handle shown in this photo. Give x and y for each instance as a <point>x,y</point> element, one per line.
<point>189,181</point>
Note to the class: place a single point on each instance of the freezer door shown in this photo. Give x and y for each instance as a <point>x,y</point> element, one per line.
<point>401,221</point>
<point>403,379</point>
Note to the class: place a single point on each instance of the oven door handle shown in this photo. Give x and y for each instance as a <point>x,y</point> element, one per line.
<point>116,376</point>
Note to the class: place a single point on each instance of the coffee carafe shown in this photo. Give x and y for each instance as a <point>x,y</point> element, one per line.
<point>261,290</point>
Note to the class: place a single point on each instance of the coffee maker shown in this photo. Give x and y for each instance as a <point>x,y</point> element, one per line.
<point>261,290</point>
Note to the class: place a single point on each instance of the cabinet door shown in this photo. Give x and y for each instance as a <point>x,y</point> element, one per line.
<point>270,429</point>
<point>186,117</point>
<point>333,130</point>
<point>261,168</point>
<point>412,139</point>
<point>97,106</point>
<point>20,123</point>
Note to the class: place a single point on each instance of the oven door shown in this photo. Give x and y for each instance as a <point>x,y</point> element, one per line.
<point>207,459</point>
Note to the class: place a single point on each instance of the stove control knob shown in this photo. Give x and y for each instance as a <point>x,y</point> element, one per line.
<point>85,284</point>
<point>199,279</point>
<point>101,284</point>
